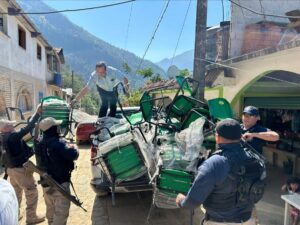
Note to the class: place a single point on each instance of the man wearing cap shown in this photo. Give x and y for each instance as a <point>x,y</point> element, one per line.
<point>104,77</point>
<point>17,153</point>
<point>58,162</point>
<point>253,133</point>
<point>215,185</point>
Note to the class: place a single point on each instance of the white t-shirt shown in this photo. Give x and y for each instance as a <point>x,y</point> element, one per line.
<point>106,82</point>
<point>8,204</point>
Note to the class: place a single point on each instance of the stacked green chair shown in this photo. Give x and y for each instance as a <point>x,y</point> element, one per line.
<point>183,103</point>
<point>170,183</point>
<point>219,108</point>
<point>193,115</point>
<point>124,162</point>
<point>172,178</point>
<point>57,108</point>
<point>122,159</point>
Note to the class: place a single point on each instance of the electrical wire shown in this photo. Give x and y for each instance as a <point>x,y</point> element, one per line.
<point>262,10</point>
<point>263,14</point>
<point>245,71</point>
<point>127,32</point>
<point>153,36</point>
<point>242,11</point>
<point>68,10</point>
<point>179,37</point>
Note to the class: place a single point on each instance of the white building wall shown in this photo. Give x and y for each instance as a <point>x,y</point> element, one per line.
<point>20,69</point>
<point>240,18</point>
<point>18,59</point>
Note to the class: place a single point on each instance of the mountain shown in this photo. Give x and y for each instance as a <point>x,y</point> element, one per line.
<point>82,49</point>
<point>184,60</point>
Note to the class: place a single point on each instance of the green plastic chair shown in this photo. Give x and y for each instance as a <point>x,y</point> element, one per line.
<point>182,104</point>
<point>210,142</point>
<point>57,108</point>
<point>184,85</point>
<point>124,163</point>
<point>136,118</point>
<point>174,181</point>
<point>219,108</point>
<point>146,105</point>
<point>193,115</point>
<point>121,164</point>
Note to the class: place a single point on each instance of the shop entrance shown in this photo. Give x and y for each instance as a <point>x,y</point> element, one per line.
<point>277,95</point>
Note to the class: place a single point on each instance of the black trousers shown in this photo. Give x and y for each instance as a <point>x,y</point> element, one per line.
<point>108,98</point>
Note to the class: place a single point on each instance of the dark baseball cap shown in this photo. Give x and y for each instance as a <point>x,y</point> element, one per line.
<point>251,110</point>
<point>229,129</point>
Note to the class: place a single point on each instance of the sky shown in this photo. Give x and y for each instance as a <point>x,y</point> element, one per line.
<point>111,24</point>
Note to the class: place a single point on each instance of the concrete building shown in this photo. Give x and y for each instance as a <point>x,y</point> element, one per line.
<point>241,18</point>
<point>263,70</point>
<point>29,65</point>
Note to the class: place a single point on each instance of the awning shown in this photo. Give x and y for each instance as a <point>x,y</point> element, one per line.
<point>273,102</point>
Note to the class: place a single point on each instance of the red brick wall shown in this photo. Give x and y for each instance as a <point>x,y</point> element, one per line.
<point>264,35</point>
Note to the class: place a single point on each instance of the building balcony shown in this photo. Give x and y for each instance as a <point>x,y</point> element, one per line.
<point>54,79</point>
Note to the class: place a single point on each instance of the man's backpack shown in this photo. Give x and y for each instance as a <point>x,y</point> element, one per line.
<point>252,178</point>
<point>247,178</point>
<point>7,158</point>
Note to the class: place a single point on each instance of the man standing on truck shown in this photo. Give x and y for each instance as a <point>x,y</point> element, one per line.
<point>104,77</point>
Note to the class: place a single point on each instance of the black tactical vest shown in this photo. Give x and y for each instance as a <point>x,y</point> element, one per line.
<point>244,185</point>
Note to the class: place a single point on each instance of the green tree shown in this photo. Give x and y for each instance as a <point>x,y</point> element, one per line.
<point>156,78</point>
<point>127,68</point>
<point>184,73</point>
<point>146,72</point>
<point>134,99</point>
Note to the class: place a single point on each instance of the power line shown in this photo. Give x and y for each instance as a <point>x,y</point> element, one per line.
<point>179,37</point>
<point>153,36</point>
<point>15,12</point>
<point>262,10</point>
<point>245,71</point>
<point>263,14</point>
<point>242,11</point>
<point>127,31</point>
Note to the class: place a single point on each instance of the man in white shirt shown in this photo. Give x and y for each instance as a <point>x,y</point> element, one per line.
<point>8,204</point>
<point>104,77</point>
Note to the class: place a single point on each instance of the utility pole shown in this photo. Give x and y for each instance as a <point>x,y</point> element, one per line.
<point>200,47</point>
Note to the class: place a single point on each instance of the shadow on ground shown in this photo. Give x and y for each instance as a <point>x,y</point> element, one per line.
<point>133,209</point>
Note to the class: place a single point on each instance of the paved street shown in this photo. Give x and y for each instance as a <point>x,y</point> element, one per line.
<point>130,209</point>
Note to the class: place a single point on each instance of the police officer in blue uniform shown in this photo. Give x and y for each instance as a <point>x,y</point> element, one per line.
<point>216,185</point>
<point>253,133</point>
